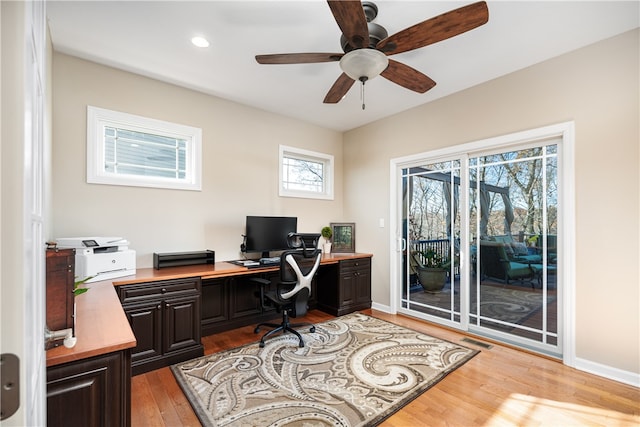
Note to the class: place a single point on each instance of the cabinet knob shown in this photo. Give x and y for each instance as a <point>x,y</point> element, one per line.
<point>163,290</point>
<point>159,307</point>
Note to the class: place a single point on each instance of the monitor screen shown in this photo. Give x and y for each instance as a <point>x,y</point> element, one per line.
<point>269,233</point>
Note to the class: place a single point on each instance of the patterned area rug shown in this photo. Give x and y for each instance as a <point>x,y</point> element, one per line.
<point>496,302</point>
<point>355,370</point>
<point>509,305</point>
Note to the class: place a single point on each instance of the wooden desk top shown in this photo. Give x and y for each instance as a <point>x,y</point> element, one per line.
<point>101,324</point>
<point>219,269</point>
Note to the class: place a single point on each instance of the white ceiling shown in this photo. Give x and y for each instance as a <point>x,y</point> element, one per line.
<point>152,38</point>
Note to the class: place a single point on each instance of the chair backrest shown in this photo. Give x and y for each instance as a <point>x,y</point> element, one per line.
<point>299,267</point>
<point>493,259</point>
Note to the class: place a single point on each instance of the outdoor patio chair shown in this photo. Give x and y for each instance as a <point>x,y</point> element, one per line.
<point>517,251</point>
<point>495,263</point>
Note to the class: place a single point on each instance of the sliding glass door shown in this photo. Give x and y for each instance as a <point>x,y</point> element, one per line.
<point>431,229</point>
<point>513,211</point>
<point>480,242</point>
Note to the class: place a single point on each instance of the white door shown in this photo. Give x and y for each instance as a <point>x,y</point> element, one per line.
<point>23,208</point>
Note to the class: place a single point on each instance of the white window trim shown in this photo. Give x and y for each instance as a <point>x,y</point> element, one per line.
<point>328,178</point>
<point>98,118</point>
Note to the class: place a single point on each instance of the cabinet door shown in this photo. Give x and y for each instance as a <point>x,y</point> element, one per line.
<point>363,284</point>
<point>347,288</point>
<point>92,392</point>
<point>181,323</point>
<point>355,282</point>
<point>244,299</point>
<point>215,307</point>
<point>146,323</point>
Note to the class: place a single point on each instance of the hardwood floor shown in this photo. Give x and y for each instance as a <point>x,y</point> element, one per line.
<point>500,386</point>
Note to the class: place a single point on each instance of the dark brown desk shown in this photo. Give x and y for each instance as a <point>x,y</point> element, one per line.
<point>154,318</point>
<point>171,309</point>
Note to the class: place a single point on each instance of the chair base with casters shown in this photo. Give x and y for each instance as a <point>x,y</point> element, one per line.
<point>284,327</point>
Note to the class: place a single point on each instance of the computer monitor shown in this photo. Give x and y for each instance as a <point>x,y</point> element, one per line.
<point>265,234</point>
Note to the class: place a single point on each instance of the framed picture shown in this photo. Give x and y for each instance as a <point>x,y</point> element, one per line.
<point>344,237</point>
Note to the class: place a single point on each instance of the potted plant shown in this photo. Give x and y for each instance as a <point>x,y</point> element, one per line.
<point>326,233</point>
<point>70,341</point>
<point>77,290</point>
<point>432,269</point>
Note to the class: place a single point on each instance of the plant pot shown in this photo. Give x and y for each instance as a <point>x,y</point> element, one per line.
<point>432,279</point>
<point>326,248</point>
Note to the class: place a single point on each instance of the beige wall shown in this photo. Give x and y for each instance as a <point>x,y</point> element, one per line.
<point>597,87</point>
<point>240,166</point>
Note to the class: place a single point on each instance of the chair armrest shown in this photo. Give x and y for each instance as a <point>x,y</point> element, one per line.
<point>262,282</point>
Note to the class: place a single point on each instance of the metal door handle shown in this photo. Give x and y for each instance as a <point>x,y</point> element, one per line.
<point>10,374</point>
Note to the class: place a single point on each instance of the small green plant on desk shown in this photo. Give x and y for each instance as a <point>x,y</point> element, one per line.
<point>70,340</point>
<point>326,233</point>
<point>77,290</point>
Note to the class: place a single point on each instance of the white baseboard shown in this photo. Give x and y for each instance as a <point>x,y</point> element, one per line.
<point>384,308</point>
<point>615,374</point>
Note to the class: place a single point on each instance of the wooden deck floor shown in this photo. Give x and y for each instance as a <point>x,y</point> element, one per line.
<point>500,386</point>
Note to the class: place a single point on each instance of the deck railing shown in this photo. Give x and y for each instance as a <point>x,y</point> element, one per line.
<point>439,246</point>
<point>442,247</point>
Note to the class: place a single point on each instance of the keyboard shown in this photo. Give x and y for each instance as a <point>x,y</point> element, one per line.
<point>270,261</point>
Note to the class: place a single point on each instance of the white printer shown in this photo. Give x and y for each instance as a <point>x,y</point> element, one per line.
<point>101,257</point>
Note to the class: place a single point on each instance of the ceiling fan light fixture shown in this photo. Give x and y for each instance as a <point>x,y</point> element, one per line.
<point>368,63</point>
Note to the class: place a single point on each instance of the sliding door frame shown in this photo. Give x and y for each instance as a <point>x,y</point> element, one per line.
<point>565,133</point>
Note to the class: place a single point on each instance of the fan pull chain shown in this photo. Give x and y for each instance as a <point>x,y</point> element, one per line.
<point>362,79</point>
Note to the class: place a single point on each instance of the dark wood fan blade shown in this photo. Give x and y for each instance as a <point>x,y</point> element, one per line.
<point>407,77</point>
<point>436,29</point>
<point>298,58</point>
<point>339,89</point>
<point>350,17</point>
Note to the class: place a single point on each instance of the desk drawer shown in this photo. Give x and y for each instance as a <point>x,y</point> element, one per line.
<point>146,291</point>
<point>355,264</point>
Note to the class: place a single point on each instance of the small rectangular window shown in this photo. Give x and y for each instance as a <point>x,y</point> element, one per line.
<point>124,149</point>
<point>305,174</point>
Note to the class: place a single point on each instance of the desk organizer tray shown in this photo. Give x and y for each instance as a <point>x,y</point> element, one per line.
<point>176,259</point>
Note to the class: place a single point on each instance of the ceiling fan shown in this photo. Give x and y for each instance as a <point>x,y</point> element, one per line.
<point>366,45</point>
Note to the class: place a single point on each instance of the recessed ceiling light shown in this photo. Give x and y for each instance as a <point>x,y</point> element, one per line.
<point>200,41</point>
